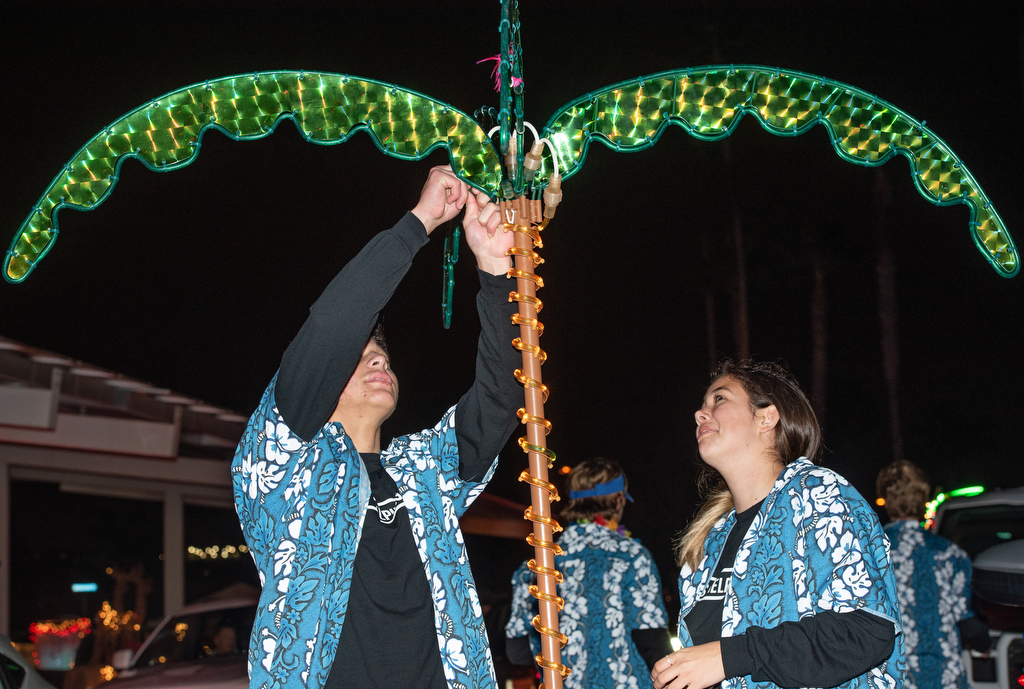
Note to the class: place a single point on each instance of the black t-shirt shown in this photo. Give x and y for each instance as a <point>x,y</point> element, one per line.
<point>704,621</point>
<point>388,586</point>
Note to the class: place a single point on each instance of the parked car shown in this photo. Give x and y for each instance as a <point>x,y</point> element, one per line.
<point>990,527</point>
<point>15,671</point>
<point>201,645</point>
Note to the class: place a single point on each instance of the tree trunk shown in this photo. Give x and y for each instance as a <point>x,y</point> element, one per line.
<point>709,307</point>
<point>819,337</point>
<point>885,267</point>
<point>709,302</point>
<point>741,323</point>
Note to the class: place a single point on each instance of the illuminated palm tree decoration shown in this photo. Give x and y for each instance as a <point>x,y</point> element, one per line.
<point>708,102</point>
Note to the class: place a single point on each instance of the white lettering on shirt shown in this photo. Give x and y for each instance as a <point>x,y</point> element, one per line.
<point>719,588</point>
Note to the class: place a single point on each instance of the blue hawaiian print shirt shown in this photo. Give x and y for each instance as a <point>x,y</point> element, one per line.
<point>814,545</point>
<point>611,587</point>
<point>302,505</point>
<point>933,579</point>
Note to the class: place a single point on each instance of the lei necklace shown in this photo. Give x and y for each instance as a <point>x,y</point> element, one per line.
<point>608,524</point>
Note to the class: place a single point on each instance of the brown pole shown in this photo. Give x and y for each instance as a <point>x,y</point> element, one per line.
<point>525,218</point>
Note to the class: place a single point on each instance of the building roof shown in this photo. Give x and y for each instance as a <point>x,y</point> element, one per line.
<point>40,389</point>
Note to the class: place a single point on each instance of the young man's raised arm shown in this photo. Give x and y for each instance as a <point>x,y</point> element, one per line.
<point>486,413</point>
<point>319,361</point>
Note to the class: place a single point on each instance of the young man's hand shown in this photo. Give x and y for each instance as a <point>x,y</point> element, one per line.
<point>484,234</point>
<point>442,198</point>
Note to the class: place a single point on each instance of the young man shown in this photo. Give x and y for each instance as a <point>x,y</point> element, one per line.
<point>365,576</point>
<point>933,582</point>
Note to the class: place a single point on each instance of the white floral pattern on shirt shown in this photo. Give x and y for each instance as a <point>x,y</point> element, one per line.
<point>933,579</point>
<point>611,587</point>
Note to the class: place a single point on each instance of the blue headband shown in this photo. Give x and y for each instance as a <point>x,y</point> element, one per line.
<point>616,485</point>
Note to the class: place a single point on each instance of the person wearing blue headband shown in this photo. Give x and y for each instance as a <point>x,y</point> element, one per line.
<point>614,615</point>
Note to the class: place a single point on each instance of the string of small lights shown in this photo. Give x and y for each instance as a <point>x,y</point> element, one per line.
<point>214,552</point>
<point>62,628</point>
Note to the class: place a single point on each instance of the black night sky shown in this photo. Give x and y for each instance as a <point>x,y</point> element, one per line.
<point>197,279</point>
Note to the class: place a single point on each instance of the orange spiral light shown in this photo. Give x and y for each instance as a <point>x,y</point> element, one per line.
<point>549,488</point>
<point>537,593</point>
<point>547,571</point>
<point>562,670</point>
<point>550,545</point>
<point>532,255</point>
<point>525,218</point>
<point>527,275</point>
<point>532,322</point>
<point>555,526</point>
<point>526,380</point>
<point>535,350</point>
<point>526,417</point>
<point>562,638</point>
<point>528,448</point>
<point>528,298</point>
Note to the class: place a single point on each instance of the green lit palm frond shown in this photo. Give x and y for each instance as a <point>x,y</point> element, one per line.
<point>708,102</point>
<point>166,134</point>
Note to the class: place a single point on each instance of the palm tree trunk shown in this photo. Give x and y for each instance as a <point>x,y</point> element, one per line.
<point>709,307</point>
<point>709,302</point>
<point>819,337</point>
<point>741,322</point>
<point>885,268</point>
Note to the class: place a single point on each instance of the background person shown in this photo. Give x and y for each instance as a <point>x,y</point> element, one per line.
<point>225,641</point>
<point>933,580</point>
<point>785,579</point>
<point>366,581</point>
<point>614,615</point>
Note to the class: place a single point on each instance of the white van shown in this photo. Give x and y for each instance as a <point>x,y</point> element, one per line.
<point>990,527</point>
